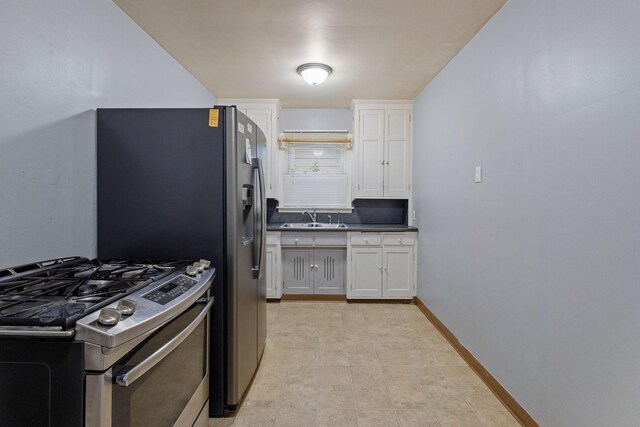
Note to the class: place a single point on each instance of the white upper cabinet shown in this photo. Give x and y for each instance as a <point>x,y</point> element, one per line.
<point>397,176</point>
<point>383,145</point>
<point>265,114</point>
<point>371,152</point>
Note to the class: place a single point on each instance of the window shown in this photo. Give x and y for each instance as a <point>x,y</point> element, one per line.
<point>316,158</point>
<point>315,176</point>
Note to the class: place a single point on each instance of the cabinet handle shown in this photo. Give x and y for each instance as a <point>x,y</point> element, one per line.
<point>380,267</point>
<point>296,240</point>
<point>387,163</point>
<point>366,240</point>
<point>400,240</point>
<point>384,268</point>
<point>382,162</point>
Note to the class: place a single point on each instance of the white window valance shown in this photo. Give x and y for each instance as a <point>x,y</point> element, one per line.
<point>315,136</point>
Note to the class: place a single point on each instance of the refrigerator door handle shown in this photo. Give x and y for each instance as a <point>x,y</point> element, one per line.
<point>258,270</point>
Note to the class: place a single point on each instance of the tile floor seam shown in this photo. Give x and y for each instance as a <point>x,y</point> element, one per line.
<point>474,411</point>
<point>395,410</point>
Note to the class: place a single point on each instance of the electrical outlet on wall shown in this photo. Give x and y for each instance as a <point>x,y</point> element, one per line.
<point>479,173</point>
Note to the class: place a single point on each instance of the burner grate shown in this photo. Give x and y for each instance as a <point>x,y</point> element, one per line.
<point>58,293</point>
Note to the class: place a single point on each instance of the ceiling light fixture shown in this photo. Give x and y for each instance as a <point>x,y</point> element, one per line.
<point>314,73</point>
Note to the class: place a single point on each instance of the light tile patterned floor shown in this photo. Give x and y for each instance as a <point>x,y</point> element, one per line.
<point>362,365</point>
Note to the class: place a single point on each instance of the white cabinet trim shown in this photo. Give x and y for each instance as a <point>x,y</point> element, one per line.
<point>274,289</point>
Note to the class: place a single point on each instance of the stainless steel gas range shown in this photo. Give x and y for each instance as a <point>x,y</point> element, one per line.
<point>105,343</point>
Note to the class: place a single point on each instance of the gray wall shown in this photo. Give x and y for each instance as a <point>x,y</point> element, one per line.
<point>316,119</point>
<point>537,269</point>
<point>59,61</point>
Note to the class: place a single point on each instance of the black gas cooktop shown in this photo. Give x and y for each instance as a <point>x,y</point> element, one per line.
<point>59,292</point>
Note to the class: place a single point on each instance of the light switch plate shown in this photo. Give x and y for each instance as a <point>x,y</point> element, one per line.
<point>479,173</point>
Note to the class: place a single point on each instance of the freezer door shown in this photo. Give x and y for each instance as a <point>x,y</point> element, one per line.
<point>242,238</point>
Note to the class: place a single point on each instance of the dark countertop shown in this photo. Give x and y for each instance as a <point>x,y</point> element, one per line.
<point>276,226</point>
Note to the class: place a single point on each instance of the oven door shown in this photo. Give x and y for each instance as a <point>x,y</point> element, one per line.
<point>163,381</point>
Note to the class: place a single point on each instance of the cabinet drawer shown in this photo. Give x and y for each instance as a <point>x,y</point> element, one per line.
<point>366,240</point>
<point>297,239</point>
<point>331,238</point>
<point>399,240</point>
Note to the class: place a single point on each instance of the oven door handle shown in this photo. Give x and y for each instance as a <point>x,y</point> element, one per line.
<point>143,367</point>
<point>35,332</point>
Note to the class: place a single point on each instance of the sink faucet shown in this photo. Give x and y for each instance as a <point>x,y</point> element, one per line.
<point>311,215</point>
<point>330,218</point>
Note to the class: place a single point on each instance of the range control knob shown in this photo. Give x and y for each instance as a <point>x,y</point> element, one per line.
<point>109,316</point>
<point>205,263</point>
<point>199,266</point>
<point>192,270</point>
<point>127,307</point>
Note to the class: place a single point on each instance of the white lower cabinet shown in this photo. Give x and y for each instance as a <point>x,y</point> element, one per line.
<point>313,271</point>
<point>273,265</point>
<point>366,265</point>
<point>329,271</point>
<point>378,265</point>
<point>298,270</point>
<point>397,271</point>
<point>381,265</point>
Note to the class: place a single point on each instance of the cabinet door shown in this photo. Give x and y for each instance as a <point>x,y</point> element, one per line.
<point>271,260</point>
<point>329,269</point>
<point>397,176</point>
<point>397,276</point>
<point>263,117</point>
<point>297,271</point>
<point>371,153</point>
<point>366,268</point>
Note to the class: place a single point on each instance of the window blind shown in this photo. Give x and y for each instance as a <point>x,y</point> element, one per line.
<point>316,176</point>
<point>314,191</point>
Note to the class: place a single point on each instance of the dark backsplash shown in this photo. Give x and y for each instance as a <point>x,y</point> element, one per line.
<point>365,211</point>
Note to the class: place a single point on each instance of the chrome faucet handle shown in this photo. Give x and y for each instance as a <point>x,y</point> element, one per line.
<point>313,215</point>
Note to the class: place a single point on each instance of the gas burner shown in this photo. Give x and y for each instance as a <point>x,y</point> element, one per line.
<point>19,306</point>
<point>63,310</point>
<point>58,292</point>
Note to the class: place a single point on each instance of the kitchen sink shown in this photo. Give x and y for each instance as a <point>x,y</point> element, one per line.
<point>311,225</point>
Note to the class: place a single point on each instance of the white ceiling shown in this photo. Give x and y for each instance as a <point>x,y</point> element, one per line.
<point>378,49</point>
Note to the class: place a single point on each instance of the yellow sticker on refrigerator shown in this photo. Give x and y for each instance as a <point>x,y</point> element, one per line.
<point>213,117</point>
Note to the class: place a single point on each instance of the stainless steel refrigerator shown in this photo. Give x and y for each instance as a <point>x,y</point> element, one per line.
<point>189,183</point>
